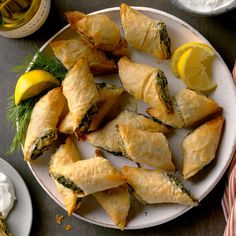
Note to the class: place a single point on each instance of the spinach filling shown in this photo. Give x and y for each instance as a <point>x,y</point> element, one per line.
<point>164,91</point>
<point>164,38</point>
<point>82,129</point>
<point>66,182</point>
<point>177,183</point>
<point>42,144</point>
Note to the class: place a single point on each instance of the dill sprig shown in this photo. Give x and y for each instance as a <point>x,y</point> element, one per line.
<point>19,115</point>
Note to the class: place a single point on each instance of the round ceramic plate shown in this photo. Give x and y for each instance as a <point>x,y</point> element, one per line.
<point>18,225</point>
<point>142,216</point>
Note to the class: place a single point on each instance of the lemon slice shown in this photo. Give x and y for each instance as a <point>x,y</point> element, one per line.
<point>182,49</point>
<point>193,71</point>
<point>33,83</point>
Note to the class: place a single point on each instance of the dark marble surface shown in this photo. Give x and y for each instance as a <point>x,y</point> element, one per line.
<point>207,219</point>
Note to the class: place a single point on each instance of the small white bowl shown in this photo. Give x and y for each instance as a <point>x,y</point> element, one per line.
<point>217,11</point>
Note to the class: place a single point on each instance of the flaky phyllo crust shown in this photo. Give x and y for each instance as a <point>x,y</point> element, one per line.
<point>145,83</point>
<point>107,137</point>
<point>189,108</point>
<point>42,130</point>
<point>144,33</point>
<point>82,96</point>
<point>199,147</point>
<point>77,176</point>
<point>66,154</point>
<point>156,186</point>
<point>71,50</point>
<point>151,148</point>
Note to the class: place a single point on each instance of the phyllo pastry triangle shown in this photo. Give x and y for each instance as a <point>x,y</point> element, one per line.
<point>66,154</point>
<point>189,107</point>
<point>81,93</point>
<point>145,83</point>
<point>108,96</point>
<point>88,176</point>
<point>99,29</point>
<point>107,138</point>
<point>146,34</point>
<point>71,50</point>
<point>195,106</point>
<point>199,147</point>
<point>116,202</point>
<point>42,130</point>
<point>156,186</point>
<point>146,147</point>
<point>173,119</point>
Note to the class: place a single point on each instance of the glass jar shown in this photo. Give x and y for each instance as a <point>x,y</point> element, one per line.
<point>20,18</point>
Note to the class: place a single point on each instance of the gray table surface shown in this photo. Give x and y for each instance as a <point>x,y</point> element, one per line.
<point>207,219</point>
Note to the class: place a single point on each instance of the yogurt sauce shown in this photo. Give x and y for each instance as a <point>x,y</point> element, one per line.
<point>205,5</point>
<point>7,195</point>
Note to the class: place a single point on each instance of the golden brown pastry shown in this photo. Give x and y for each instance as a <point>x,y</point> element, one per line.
<point>66,126</point>
<point>100,30</point>
<point>189,108</point>
<point>107,138</point>
<point>173,119</point>
<point>199,147</point>
<point>66,154</point>
<point>108,96</point>
<point>146,147</point>
<point>116,202</point>
<point>81,92</point>
<point>195,106</point>
<point>145,83</point>
<point>146,34</point>
<point>71,50</point>
<point>88,176</point>
<point>156,186</point>
<point>42,130</point>
<point>4,231</point>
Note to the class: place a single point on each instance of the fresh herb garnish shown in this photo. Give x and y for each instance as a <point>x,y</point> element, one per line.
<point>19,115</point>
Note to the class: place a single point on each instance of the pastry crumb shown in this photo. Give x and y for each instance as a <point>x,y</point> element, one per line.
<point>59,219</point>
<point>68,227</point>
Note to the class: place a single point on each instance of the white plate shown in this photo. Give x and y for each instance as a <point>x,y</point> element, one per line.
<point>141,216</point>
<point>20,217</point>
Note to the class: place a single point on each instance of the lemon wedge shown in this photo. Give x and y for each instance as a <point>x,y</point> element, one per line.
<point>33,83</point>
<point>193,69</point>
<point>207,50</point>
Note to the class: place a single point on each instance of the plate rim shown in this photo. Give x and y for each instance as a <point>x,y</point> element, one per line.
<point>26,190</point>
<point>210,188</point>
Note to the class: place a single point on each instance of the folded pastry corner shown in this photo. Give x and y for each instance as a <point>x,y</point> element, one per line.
<point>66,154</point>
<point>145,34</point>
<point>146,147</point>
<point>81,93</point>
<point>42,130</point>
<point>195,106</point>
<point>108,96</point>
<point>173,119</point>
<point>156,186</point>
<point>116,202</point>
<point>107,137</point>
<point>199,147</point>
<point>146,83</point>
<point>71,50</point>
<point>99,29</point>
<point>77,176</point>
<point>66,126</point>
